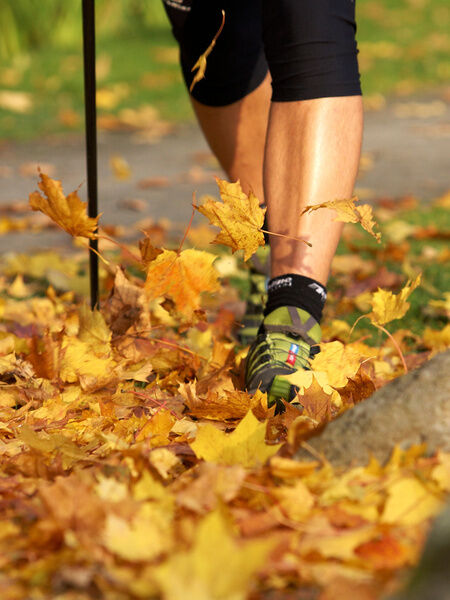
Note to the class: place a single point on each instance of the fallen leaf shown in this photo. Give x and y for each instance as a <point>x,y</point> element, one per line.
<point>80,363</point>
<point>246,446</point>
<point>385,552</point>
<point>120,167</point>
<point>341,545</point>
<point>199,572</point>
<point>420,110</point>
<point>148,535</point>
<point>153,182</point>
<point>18,102</point>
<point>441,472</point>
<point>409,503</point>
<point>438,341</point>
<point>295,501</point>
<point>69,118</point>
<point>213,484</point>
<point>163,460</point>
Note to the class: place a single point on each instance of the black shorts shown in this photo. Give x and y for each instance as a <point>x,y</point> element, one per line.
<point>308,46</point>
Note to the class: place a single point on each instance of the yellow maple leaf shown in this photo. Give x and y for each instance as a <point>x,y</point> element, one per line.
<point>348,212</point>
<point>341,545</point>
<point>295,501</point>
<point>157,428</point>
<point>215,568</point>
<point>111,490</point>
<point>49,443</point>
<point>182,277</point>
<point>93,330</point>
<point>441,472</point>
<point>409,503</point>
<point>442,305</point>
<point>387,306</point>
<point>239,217</point>
<point>68,212</point>
<point>315,381</point>
<point>438,341</point>
<point>339,361</point>
<point>143,538</point>
<point>287,468</point>
<point>246,446</point>
<point>148,488</point>
<point>80,363</point>
<point>164,461</point>
<point>200,65</point>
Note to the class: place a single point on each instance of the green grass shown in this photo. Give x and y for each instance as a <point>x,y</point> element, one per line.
<point>435,275</point>
<point>55,82</point>
<point>404,47</point>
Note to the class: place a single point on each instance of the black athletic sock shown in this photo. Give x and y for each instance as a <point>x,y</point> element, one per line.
<point>296,290</point>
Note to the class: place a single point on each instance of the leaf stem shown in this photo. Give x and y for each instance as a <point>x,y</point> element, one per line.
<point>394,341</point>
<point>288,237</point>
<point>91,249</point>
<point>188,227</point>
<point>121,246</point>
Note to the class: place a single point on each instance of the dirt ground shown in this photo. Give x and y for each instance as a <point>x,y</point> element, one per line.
<point>405,151</point>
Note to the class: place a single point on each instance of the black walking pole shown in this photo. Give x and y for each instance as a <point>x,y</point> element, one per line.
<point>91,134</point>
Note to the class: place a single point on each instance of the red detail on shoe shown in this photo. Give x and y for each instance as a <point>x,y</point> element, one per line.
<point>291,359</point>
<point>293,351</point>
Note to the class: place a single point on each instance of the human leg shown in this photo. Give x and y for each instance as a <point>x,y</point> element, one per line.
<point>312,155</point>
<point>232,101</point>
<point>236,134</point>
<point>232,105</point>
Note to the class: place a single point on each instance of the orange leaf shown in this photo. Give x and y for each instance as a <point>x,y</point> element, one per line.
<point>316,403</point>
<point>68,212</point>
<point>182,277</point>
<point>384,553</point>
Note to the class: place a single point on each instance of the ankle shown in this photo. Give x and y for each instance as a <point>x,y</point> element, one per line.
<point>296,290</point>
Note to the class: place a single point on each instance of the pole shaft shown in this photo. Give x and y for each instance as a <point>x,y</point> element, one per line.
<point>91,134</point>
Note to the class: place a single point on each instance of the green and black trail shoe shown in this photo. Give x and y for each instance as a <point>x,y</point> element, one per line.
<point>285,342</point>
<point>258,273</point>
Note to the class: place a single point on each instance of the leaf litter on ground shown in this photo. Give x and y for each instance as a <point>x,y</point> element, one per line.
<point>135,466</point>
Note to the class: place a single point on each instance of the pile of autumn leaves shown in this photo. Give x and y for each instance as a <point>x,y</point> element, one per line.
<point>134,466</point>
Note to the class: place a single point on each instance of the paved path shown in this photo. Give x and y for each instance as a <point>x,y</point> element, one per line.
<point>405,155</point>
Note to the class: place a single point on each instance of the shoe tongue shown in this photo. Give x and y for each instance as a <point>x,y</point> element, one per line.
<point>296,320</point>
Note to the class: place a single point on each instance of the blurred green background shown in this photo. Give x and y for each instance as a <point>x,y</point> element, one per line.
<point>404,50</point>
